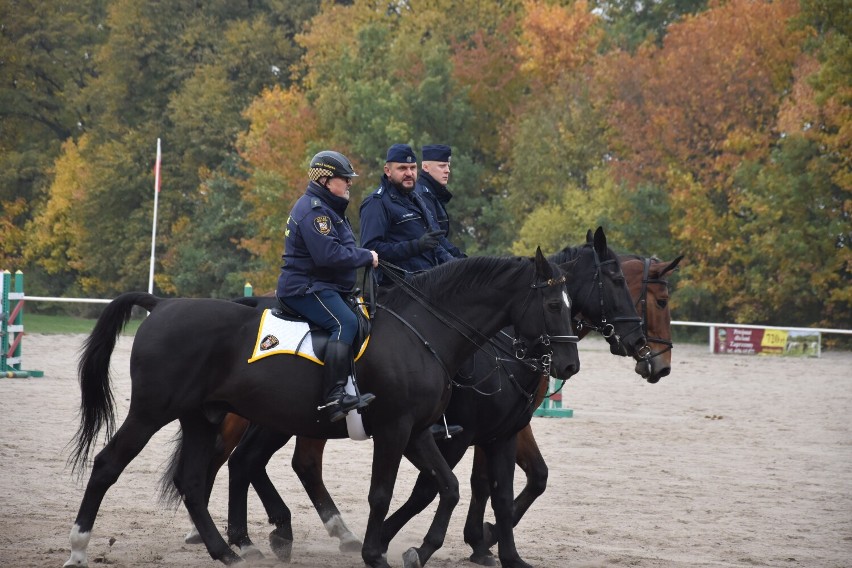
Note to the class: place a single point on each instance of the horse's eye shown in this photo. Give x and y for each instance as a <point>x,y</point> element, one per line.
<point>554,306</point>
<point>662,303</point>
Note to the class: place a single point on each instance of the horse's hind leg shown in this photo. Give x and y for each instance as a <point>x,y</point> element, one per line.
<point>199,439</point>
<point>108,465</point>
<point>247,466</point>
<point>230,432</point>
<point>307,463</point>
<point>423,453</point>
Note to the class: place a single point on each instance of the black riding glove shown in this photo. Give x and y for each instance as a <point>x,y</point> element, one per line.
<point>429,240</point>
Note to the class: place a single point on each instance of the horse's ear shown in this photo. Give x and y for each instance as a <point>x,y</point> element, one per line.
<point>542,266</point>
<point>671,266</point>
<point>600,242</point>
<point>589,238</point>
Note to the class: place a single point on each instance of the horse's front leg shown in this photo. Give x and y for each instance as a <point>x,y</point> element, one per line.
<point>425,490</point>
<point>424,454</point>
<point>247,466</point>
<point>388,446</point>
<point>501,470</point>
<point>475,526</point>
<point>307,463</point>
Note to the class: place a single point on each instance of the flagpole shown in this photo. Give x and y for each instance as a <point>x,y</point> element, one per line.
<point>154,226</point>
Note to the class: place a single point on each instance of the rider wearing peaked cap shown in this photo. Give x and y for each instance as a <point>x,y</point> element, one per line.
<point>396,222</point>
<point>320,264</point>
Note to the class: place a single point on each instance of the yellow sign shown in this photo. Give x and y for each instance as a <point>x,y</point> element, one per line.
<point>774,341</point>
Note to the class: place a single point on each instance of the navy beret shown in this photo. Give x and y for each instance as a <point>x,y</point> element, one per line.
<point>436,153</point>
<point>401,153</point>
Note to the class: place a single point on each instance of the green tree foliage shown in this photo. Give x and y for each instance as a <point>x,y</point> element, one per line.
<point>716,129</point>
<point>45,58</point>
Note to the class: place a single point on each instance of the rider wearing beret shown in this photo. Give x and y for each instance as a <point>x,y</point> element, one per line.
<point>397,223</point>
<point>320,264</point>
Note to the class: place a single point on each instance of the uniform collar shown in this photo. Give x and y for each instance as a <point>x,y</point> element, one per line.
<point>338,204</point>
<point>432,184</point>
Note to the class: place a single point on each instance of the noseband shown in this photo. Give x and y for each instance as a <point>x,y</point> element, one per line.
<point>643,302</point>
<point>607,328</point>
<point>544,340</point>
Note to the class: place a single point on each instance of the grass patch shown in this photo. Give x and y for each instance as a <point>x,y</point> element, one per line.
<point>57,325</point>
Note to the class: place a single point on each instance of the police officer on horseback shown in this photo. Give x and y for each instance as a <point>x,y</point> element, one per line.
<point>397,223</point>
<point>320,263</point>
<point>432,186</point>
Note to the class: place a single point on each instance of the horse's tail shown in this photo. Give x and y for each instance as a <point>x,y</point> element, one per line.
<point>97,405</point>
<point>169,494</point>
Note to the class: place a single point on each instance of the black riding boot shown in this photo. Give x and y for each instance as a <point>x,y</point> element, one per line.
<point>337,365</point>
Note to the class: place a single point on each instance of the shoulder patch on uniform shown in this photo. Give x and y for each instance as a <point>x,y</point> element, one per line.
<point>322,224</point>
<point>315,202</point>
<point>379,191</point>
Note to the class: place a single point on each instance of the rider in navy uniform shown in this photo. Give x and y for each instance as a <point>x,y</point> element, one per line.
<point>320,263</point>
<point>432,186</point>
<point>397,223</point>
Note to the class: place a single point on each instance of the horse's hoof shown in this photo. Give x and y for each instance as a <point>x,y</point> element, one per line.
<point>76,562</point>
<point>489,534</point>
<point>231,558</point>
<point>410,559</point>
<point>251,553</point>
<point>193,538</point>
<point>483,558</point>
<point>282,547</point>
<point>350,546</point>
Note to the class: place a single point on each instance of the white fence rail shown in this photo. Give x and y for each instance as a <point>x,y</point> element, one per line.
<point>709,325</point>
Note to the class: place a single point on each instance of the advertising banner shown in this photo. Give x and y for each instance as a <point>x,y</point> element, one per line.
<point>749,341</point>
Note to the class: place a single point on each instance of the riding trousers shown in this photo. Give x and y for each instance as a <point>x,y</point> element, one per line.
<point>327,309</point>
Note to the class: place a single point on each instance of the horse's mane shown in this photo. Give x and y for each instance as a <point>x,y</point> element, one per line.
<point>568,254</point>
<point>481,272</point>
<point>638,257</point>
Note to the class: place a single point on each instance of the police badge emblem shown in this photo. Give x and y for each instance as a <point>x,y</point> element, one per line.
<point>323,225</point>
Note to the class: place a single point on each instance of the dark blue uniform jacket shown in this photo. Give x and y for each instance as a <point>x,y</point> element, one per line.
<point>391,224</point>
<point>436,197</point>
<point>320,252</point>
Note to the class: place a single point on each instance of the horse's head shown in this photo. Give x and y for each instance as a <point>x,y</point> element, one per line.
<point>646,278</point>
<point>601,298</point>
<point>543,323</point>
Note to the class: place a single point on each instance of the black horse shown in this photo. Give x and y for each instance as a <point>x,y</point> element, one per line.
<point>189,363</point>
<point>495,399</point>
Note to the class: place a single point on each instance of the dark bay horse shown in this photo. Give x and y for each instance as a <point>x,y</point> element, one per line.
<point>646,278</point>
<point>491,421</point>
<point>189,363</point>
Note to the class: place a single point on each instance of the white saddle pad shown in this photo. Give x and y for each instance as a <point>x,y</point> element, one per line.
<point>276,336</point>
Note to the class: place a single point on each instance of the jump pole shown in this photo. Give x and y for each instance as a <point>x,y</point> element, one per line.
<point>551,406</point>
<point>12,327</point>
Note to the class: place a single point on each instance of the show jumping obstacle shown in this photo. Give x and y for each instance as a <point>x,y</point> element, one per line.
<point>12,327</point>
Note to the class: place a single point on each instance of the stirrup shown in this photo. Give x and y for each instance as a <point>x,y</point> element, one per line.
<point>337,411</point>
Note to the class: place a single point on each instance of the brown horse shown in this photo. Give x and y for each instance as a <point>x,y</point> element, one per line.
<point>646,280</point>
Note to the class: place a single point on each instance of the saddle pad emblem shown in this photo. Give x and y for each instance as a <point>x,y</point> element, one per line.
<point>268,342</point>
<point>276,336</point>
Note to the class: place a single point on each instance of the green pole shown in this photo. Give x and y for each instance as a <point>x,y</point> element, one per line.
<point>19,318</point>
<point>247,289</point>
<point>5,276</point>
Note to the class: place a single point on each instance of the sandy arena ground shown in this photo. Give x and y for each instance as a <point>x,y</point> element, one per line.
<point>730,461</point>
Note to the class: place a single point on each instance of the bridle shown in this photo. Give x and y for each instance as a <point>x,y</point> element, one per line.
<point>642,303</point>
<point>473,335</point>
<point>607,327</point>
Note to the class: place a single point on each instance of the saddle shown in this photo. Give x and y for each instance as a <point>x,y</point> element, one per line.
<point>319,336</point>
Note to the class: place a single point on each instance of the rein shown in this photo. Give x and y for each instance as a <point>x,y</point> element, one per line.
<point>607,328</point>
<point>469,332</point>
<point>643,300</point>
